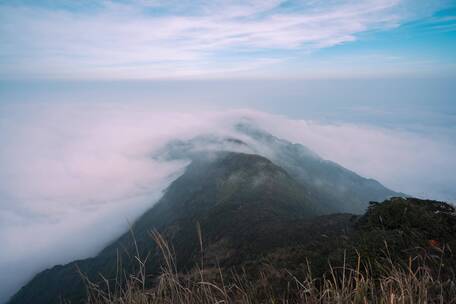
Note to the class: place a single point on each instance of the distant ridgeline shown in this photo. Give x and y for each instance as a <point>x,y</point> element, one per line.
<point>253,198</point>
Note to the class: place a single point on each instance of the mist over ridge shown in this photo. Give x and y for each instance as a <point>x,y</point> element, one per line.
<point>76,174</point>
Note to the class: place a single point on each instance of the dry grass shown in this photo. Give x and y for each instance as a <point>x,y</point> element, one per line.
<point>346,284</point>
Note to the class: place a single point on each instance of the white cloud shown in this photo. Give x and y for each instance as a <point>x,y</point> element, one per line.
<point>156,39</point>
<point>74,173</point>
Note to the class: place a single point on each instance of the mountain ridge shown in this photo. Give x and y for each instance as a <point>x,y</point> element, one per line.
<point>245,204</point>
<point>340,189</point>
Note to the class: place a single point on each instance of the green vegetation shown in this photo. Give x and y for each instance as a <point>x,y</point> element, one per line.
<point>424,278</point>
<point>240,229</point>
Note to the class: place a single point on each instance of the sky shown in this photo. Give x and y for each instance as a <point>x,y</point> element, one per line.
<point>89,90</point>
<point>156,39</point>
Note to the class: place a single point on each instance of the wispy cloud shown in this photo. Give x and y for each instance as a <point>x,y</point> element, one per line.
<point>155,39</point>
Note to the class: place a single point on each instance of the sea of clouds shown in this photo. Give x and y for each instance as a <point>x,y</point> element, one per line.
<point>75,175</point>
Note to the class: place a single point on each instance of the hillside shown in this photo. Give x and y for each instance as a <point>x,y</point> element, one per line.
<point>244,203</point>
<point>401,246</point>
<point>246,207</point>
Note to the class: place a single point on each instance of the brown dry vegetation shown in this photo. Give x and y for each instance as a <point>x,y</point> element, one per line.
<point>392,283</point>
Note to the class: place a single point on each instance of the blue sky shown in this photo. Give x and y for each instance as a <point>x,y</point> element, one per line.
<point>156,39</point>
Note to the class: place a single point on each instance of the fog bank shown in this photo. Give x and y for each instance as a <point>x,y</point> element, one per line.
<point>74,175</point>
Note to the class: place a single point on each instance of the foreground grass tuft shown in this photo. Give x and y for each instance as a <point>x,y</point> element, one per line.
<point>418,281</point>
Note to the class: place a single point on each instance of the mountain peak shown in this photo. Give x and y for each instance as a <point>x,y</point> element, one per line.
<point>249,194</point>
<point>333,187</point>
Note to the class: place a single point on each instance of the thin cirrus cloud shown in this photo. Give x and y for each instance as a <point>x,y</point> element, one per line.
<point>162,39</point>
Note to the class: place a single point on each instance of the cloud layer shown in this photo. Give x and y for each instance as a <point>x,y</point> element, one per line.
<point>74,174</point>
<point>162,39</point>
